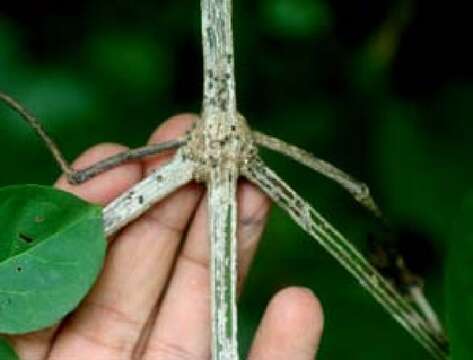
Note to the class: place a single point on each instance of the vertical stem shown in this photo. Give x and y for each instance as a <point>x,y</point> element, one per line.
<point>220,120</point>
<point>217,42</point>
<point>223,220</point>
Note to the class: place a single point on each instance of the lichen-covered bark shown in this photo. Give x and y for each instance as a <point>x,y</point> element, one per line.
<point>217,41</point>
<point>143,195</point>
<point>220,151</point>
<point>223,219</point>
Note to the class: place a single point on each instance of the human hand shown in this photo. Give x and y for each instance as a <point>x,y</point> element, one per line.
<point>152,299</point>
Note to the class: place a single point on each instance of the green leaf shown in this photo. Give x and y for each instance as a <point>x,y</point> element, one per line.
<point>460,286</point>
<point>6,351</point>
<point>52,246</point>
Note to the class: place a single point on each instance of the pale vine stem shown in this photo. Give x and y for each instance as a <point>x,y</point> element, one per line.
<point>346,254</point>
<point>220,120</point>
<point>219,148</point>
<point>361,193</point>
<point>417,295</point>
<point>160,183</point>
<point>357,189</point>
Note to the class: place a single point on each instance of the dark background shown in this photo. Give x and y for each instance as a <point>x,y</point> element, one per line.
<point>381,88</point>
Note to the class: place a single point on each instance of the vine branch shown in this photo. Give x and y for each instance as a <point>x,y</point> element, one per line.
<point>347,255</point>
<point>36,125</point>
<point>80,176</point>
<point>77,177</point>
<point>156,186</point>
<point>357,189</point>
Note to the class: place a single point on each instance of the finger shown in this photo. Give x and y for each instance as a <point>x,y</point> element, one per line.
<point>254,209</point>
<point>109,322</point>
<point>291,327</point>
<point>101,190</point>
<point>182,328</point>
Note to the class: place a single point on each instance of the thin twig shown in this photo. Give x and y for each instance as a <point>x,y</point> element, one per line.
<point>357,189</point>
<point>40,131</point>
<point>76,177</point>
<point>81,176</point>
<point>347,255</point>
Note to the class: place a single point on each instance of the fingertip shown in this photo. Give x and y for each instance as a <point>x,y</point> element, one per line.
<point>291,327</point>
<point>298,308</point>
<point>104,187</point>
<point>173,127</point>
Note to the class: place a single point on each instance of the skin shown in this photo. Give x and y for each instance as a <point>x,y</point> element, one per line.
<point>152,299</point>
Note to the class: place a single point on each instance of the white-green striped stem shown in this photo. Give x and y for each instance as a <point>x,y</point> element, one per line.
<point>223,237</point>
<point>347,255</point>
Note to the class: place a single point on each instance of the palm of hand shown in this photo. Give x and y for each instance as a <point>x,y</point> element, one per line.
<point>152,299</point>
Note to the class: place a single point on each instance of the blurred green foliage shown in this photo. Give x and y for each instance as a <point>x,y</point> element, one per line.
<point>6,352</point>
<point>376,87</point>
<point>460,284</point>
<point>296,18</point>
